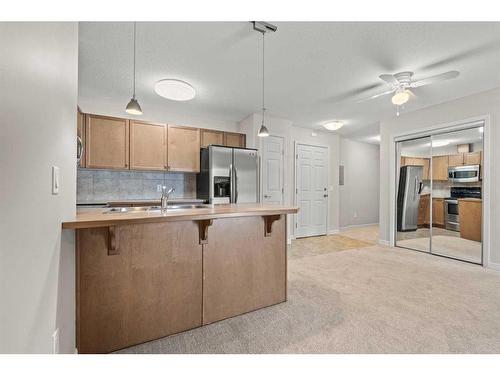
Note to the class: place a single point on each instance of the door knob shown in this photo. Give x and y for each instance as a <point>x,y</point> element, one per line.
<point>267,196</point>
<point>325,196</point>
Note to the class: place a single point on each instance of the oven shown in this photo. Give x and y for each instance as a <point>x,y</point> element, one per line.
<point>464,173</point>
<point>452,219</point>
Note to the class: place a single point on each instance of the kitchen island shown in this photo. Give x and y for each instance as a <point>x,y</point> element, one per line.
<point>143,275</point>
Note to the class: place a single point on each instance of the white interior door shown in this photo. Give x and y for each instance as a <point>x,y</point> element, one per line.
<point>272,169</point>
<point>311,190</point>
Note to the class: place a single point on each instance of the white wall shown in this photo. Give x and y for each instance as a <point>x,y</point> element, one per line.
<point>282,127</point>
<point>152,114</point>
<point>359,196</point>
<point>38,95</point>
<point>486,103</point>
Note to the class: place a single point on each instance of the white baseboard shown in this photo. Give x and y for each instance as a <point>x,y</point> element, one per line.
<point>333,231</point>
<point>384,242</point>
<point>357,226</point>
<point>493,266</point>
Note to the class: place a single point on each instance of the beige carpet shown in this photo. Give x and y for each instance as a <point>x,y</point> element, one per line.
<point>454,247</point>
<point>370,300</point>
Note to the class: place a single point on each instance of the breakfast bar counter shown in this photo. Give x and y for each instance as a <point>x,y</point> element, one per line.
<point>144,274</point>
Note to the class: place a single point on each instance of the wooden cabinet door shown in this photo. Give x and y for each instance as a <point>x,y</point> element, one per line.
<point>152,288</point>
<point>455,160</point>
<point>183,149</point>
<point>211,137</point>
<point>242,269</point>
<point>106,142</point>
<point>438,212</point>
<point>418,161</point>
<point>427,163</point>
<point>234,140</point>
<point>423,209</point>
<point>470,216</point>
<point>80,132</point>
<point>440,168</point>
<point>472,158</point>
<point>148,146</point>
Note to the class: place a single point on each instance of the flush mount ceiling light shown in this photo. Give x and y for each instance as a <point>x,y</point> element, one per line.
<point>333,125</point>
<point>133,106</point>
<point>175,89</point>
<point>263,28</point>
<point>401,97</point>
<point>440,143</point>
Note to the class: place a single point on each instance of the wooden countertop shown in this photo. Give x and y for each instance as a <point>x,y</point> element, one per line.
<point>96,217</point>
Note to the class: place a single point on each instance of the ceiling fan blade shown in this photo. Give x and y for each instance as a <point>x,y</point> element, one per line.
<point>377,95</point>
<point>389,78</point>
<point>437,78</point>
<point>412,94</point>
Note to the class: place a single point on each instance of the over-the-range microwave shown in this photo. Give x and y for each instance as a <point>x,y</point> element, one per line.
<point>464,173</point>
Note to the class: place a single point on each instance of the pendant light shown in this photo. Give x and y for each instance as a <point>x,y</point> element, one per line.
<point>263,132</point>
<point>133,106</point>
<point>263,27</point>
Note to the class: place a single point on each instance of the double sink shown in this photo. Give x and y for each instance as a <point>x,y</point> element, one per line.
<point>115,210</point>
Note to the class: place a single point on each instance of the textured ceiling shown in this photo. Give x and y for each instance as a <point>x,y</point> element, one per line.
<point>314,71</point>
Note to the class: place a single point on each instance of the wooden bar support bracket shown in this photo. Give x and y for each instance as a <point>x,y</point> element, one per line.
<point>203,230</point>
<point>268,224</point>
<point>113,248</point>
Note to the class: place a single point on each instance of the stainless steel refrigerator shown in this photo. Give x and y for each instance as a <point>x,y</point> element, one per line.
<point>228,175</point>
<point>409,190</point>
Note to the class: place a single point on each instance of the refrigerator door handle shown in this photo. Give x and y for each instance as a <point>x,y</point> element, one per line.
<point>231,184</point>
<point>235,185</point>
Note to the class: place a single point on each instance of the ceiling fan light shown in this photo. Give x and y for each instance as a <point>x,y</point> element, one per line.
<point>133,107</point>
<point>401,97</point>
<point>334,125</point>
<point>263,132</point>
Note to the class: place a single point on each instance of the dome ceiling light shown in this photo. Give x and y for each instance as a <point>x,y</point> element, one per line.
<point>175,89</point>
<point>333,125</point>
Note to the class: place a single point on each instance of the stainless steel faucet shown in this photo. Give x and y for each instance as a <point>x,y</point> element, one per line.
<point>165,195</point>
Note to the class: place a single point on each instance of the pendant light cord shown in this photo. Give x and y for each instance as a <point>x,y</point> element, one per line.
<point>134,58</point>
<point>263,76</point>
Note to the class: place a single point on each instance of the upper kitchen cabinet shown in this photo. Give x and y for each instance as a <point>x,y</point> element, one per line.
<point>440,168</point>
<point>455,160</point>
<point>472,158</point>
<point>106,142</point>
<point>80,132</point>
<point>234,140</point>
<point>211,137</point>
<point>148,146</point>
<point>424,162</point>
<point>183,145</point>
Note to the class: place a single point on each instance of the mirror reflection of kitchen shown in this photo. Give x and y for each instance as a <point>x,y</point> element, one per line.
<point>413,193</point>
<point>439,207</point>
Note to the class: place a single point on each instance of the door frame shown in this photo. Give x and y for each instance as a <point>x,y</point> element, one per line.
<point>283,164</point>
<point>295,192</point>
<point>464,124</point>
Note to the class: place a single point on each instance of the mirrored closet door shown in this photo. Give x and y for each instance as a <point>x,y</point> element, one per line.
<point>439,194</point>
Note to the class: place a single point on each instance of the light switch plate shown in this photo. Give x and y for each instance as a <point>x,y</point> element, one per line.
<point>55,180</point>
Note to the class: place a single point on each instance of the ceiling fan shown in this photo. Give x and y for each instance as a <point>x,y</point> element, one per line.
<point>402,83</point>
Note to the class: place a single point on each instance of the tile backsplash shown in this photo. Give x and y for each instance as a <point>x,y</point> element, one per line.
<point>103,185</point>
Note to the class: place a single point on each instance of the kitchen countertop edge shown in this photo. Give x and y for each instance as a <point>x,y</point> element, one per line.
<point>95,218</point>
